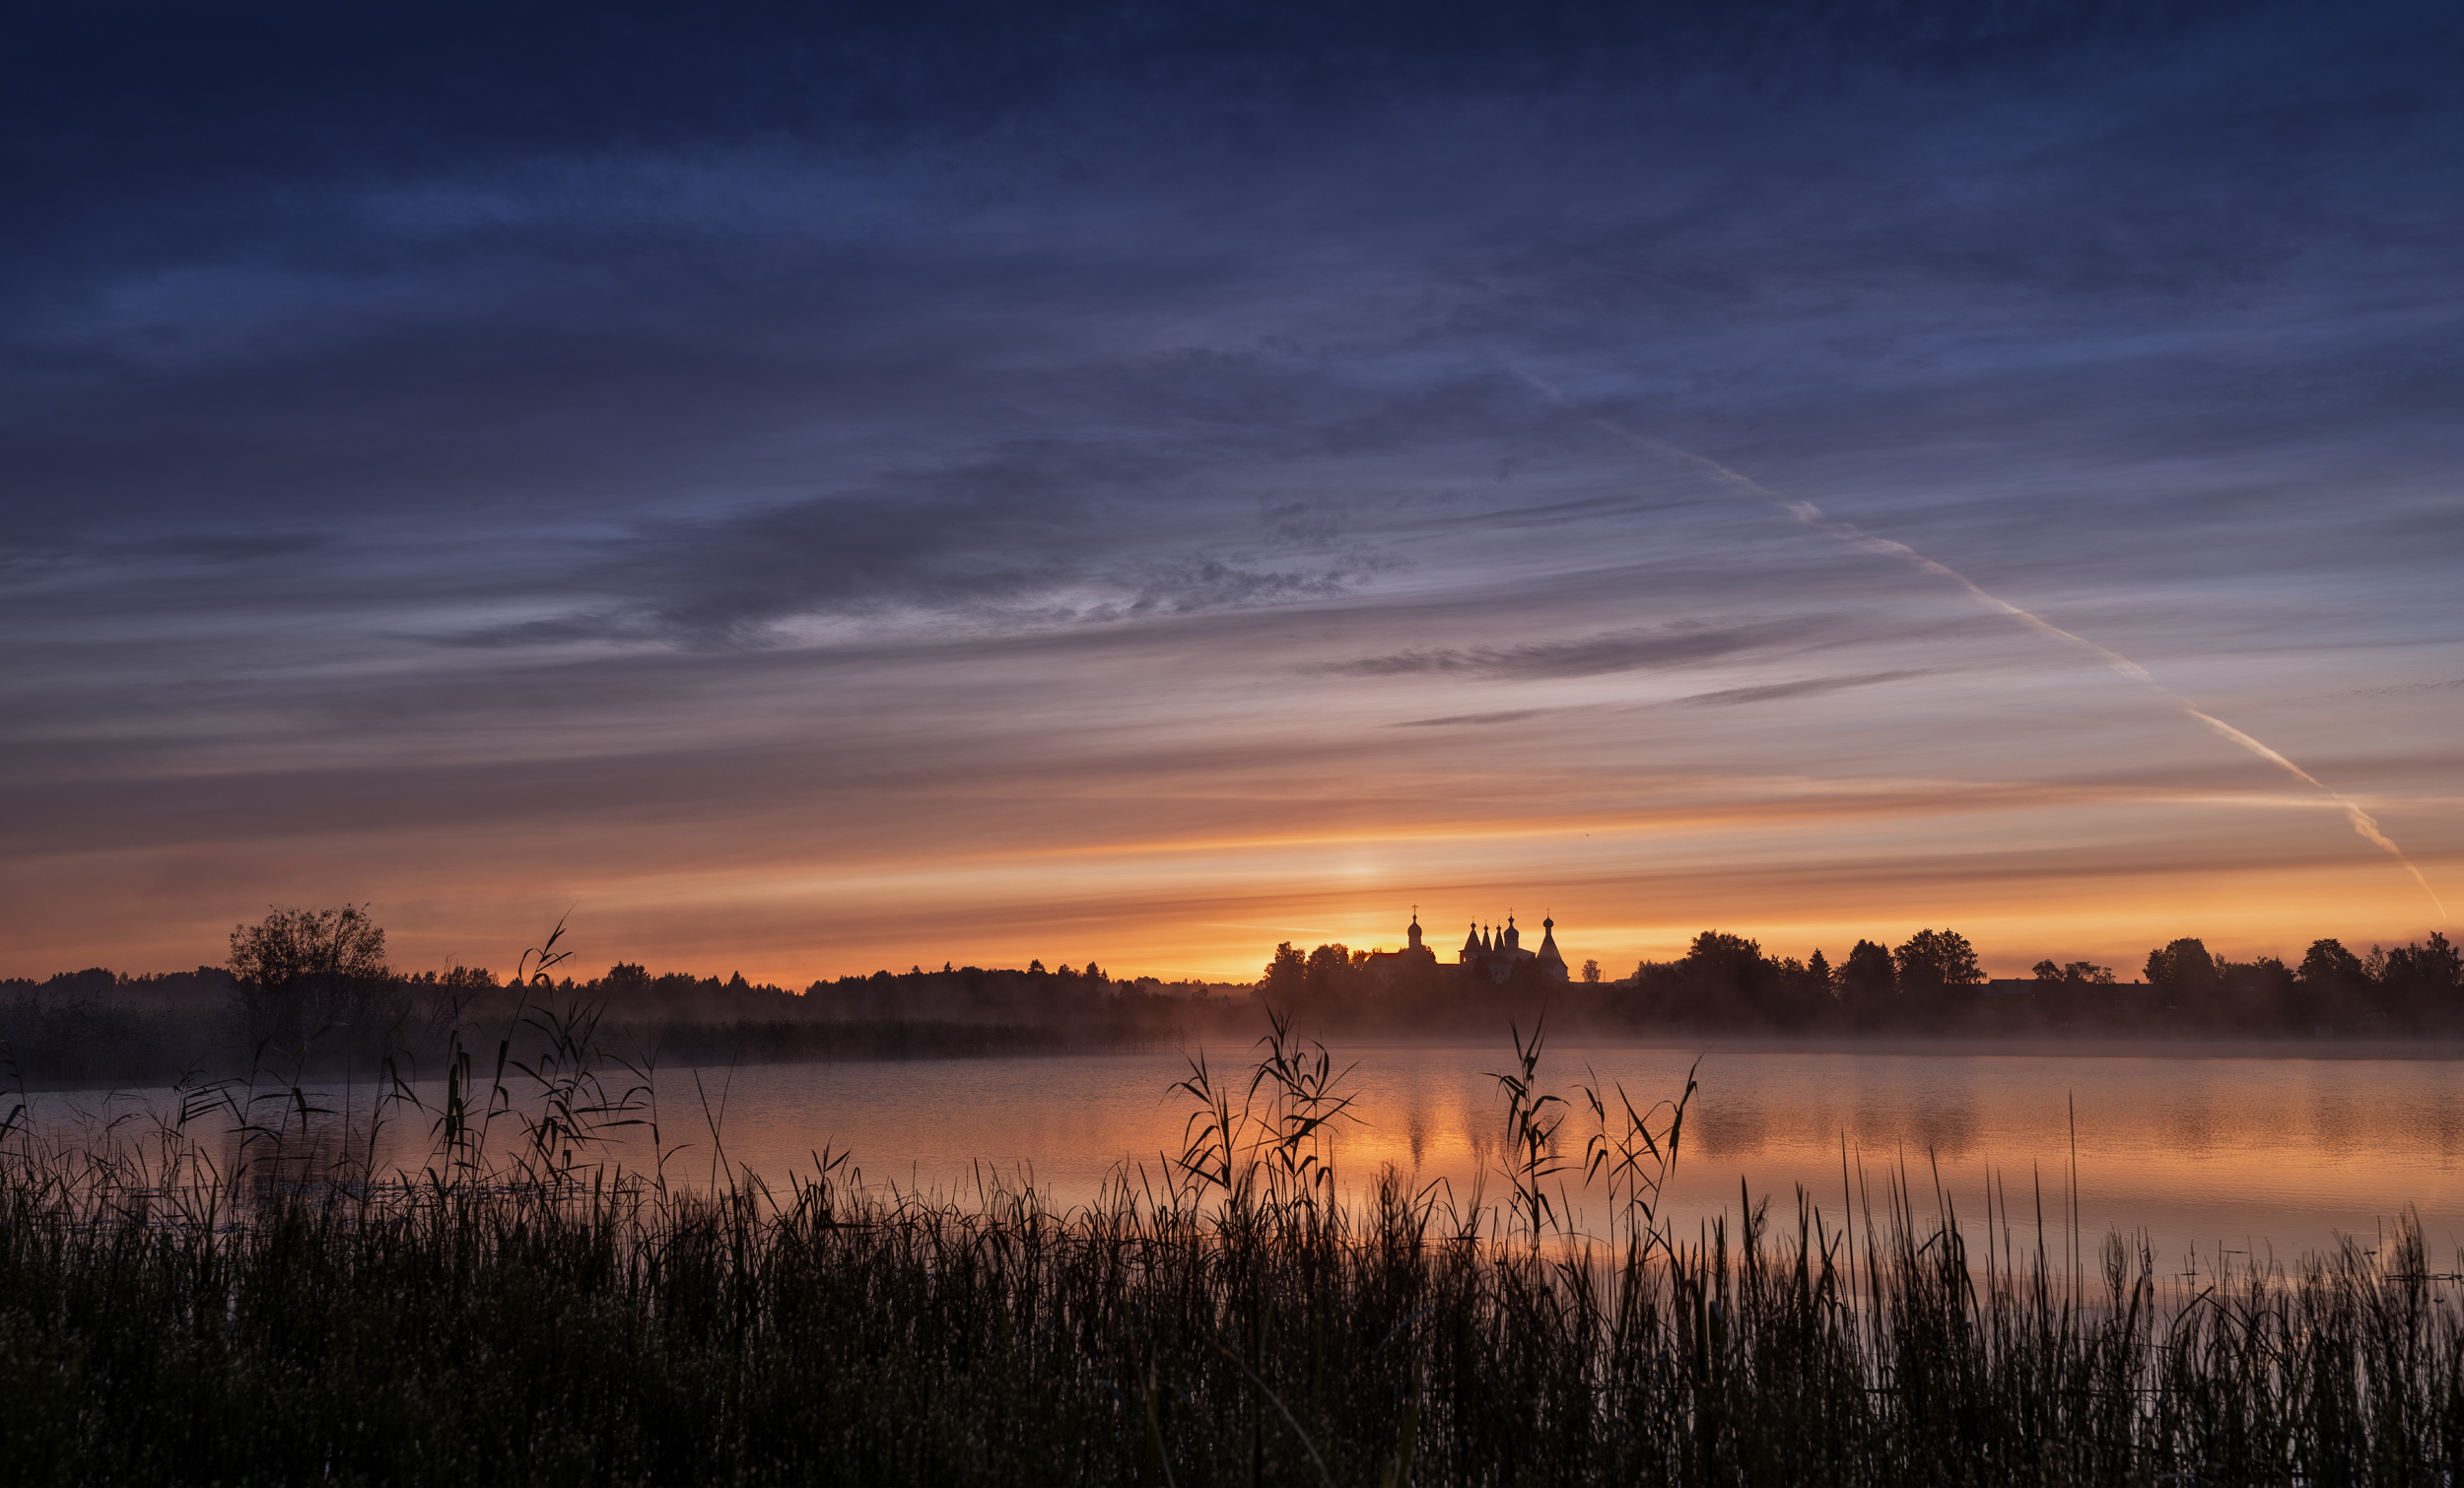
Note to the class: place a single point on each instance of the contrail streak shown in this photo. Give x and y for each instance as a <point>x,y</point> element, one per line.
<point>1813,516</point>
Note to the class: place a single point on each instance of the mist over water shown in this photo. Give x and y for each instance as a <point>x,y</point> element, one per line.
<point>2247,1154</point>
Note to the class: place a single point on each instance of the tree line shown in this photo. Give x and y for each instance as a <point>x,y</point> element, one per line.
<point>314,990</point>
<point>1931,982</point>
<point>317,985</point>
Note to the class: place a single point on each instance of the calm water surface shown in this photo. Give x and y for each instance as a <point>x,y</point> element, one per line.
<point>2243,1154</point>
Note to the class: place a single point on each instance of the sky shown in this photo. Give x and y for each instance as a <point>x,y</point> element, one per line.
<point>803,489</point>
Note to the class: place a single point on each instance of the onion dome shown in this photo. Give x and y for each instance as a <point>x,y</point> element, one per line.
<point>1548,942</point>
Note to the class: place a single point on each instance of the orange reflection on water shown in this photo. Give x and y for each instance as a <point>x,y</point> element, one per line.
<point>2258,1155</point>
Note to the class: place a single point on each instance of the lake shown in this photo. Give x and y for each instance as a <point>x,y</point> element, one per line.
<point>2234,1152</point>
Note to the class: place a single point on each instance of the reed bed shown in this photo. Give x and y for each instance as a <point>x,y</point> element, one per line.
<point>232,1295</point>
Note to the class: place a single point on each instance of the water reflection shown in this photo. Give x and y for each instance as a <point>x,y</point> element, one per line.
<point>2239,1152</point>
<point>1723,1130</point>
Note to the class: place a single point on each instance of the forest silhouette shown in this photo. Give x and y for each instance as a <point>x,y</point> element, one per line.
<point>311,990</point>
<point>1930,984</point>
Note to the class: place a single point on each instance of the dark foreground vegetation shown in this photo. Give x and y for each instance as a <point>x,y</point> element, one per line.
<point>231,1297</point>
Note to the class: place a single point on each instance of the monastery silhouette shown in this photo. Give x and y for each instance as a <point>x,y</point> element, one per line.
<point>1485,954</point>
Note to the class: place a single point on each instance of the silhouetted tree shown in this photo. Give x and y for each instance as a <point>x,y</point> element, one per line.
<point>1726,980</point>
<point>299,971</point>
<point>2056,1004</point>
<point>1869,985</point>
<point>2185,962</point>
<point>1661,996</point>
<point>1285,976</point>
<point>2418,986</point>
<point>1795,1004</point>
<point>2187,975</point>
<point>2071,992</point>
<point>1935,966</point>
<point>90,985</point>
<point>1591,971</point>
<point>2331,987</point>
<point>1327,974</point>
<point>2329,963</point>
<point>2255,996</point>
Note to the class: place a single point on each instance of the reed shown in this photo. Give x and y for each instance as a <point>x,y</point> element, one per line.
<point>233,1294</point>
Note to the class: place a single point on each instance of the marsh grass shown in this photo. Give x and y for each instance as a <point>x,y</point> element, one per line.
<point>233,1292</point>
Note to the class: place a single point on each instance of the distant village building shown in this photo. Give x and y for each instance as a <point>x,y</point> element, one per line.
<point>1492,955</point>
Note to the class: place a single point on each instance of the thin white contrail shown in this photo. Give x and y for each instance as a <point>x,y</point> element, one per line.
<point>1813,516</point>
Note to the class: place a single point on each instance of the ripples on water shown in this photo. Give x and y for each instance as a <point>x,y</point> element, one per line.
<point>2281,1154</point>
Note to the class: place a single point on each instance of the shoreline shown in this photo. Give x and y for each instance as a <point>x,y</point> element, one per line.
<point>2355,1050</point>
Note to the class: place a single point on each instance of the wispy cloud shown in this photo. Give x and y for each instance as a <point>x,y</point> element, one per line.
<point>1809,687</point>
<point>1511,715</point>
<point>2451,685</point>
<point>1684,643</point>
